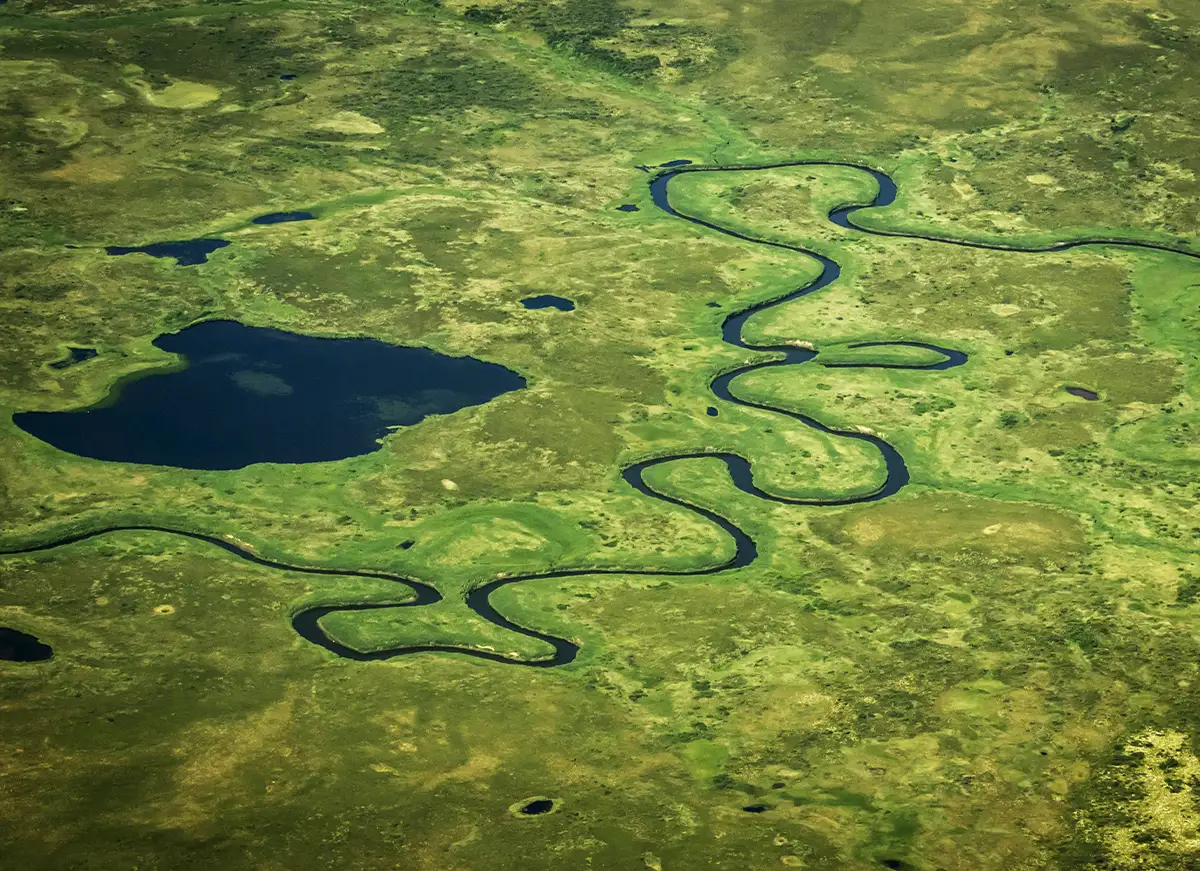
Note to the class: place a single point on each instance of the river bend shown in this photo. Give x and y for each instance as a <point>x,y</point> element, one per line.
<point>306,620</point>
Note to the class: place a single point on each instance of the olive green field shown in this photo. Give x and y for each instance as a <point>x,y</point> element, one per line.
<point>996,669</point>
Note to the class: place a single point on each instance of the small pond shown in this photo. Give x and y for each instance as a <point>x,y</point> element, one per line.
<point>254,395</point>
<point>188,252</point>
<point>1083,393</point>
<point>283,217</point>
<point>16,646</point>
<point>74,355</point>
<point>549,300</point>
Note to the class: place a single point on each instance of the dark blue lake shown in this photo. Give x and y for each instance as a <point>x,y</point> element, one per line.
<point>187,252</point>
<point>74,355</point>
<point>17,646</point>
<point>549,300</point>
<point>283,217</point>
<point>253,395</point>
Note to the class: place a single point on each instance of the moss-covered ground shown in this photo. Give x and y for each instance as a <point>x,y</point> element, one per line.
<point>998,668</point>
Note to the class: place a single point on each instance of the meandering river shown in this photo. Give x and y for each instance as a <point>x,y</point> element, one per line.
<point>307,620</point>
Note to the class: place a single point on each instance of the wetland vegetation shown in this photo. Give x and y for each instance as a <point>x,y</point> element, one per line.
<point>841,544</point>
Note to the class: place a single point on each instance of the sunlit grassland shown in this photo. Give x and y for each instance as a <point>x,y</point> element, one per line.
<point>995,669</point>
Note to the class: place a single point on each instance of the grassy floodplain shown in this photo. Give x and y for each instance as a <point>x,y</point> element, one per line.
<point>997,668</point>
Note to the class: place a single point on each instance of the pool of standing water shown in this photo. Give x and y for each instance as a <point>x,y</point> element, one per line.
<point>254,395</point>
